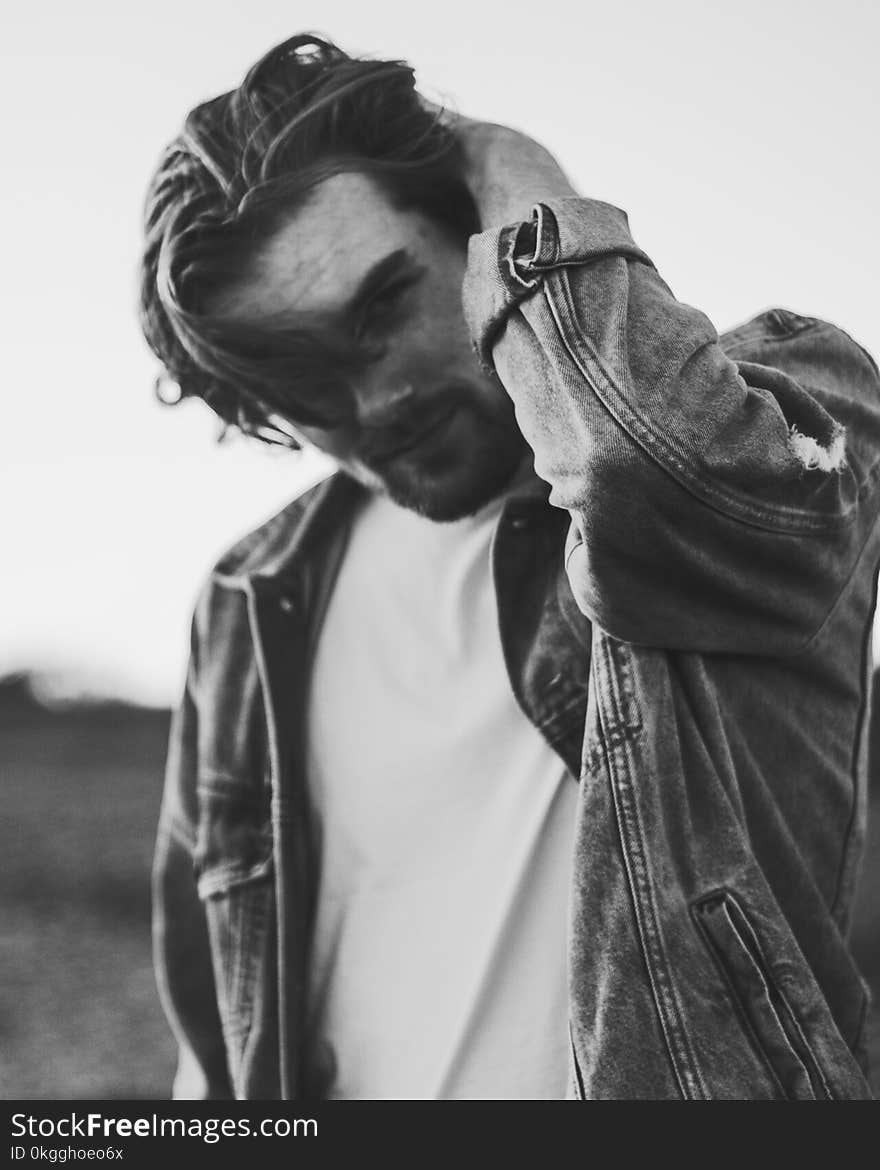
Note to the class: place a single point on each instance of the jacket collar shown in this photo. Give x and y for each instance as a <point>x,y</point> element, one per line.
<point>270,558</point>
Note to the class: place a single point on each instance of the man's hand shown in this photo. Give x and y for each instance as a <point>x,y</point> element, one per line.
<point>507,172</point>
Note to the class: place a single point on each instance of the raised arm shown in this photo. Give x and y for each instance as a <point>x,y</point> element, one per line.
<point>720,494</point>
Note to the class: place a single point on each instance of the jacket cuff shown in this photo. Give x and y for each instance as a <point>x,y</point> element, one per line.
<point>507,265</point>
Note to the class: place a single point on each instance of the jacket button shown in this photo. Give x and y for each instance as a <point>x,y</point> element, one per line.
<point>519,523</point>
<point>287,604</point>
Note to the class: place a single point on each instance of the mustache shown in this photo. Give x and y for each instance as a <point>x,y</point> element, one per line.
<point>382,439</point>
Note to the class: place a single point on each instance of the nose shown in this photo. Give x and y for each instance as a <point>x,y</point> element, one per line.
<point>382,397</point>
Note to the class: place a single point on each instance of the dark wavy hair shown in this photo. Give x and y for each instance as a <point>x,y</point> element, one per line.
<point>243,162</point>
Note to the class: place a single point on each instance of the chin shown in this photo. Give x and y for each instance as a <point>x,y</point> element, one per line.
<point>455,495</point>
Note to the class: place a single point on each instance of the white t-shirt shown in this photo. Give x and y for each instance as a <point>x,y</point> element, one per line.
<point>446,828</point>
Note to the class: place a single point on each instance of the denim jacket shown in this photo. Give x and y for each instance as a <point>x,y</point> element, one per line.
<point>685,600</point>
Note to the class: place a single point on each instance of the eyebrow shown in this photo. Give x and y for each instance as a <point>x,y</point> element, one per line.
<point>375,277</point>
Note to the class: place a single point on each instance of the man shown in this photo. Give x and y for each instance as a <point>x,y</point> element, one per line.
<point>525,757</point>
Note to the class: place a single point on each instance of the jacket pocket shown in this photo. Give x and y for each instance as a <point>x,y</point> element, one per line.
<point>767,1014</point>
<point>240,926</point>
<point>235,880</point>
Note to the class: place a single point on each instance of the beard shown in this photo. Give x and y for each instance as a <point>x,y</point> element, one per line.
<point>456,479</point>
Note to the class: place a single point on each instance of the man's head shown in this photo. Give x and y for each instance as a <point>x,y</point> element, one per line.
<point>306,240</point>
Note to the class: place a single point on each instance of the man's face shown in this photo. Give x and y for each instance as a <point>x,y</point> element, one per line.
<point>431,429</point>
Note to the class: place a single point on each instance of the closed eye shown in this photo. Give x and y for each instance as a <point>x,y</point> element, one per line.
<point>385,308</point>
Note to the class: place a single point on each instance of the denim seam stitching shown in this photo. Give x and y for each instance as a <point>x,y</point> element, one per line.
<point>729,894</point>
<point>684,1066</point>
<point>562,712</point>
<point>768,982</point>
<point>615,737</point>
<point>287,1021</point>
<point>263,919</point>
<point>744,1021</point>
<point>792,522</point>
<point>256,921</point>
<point>623,728</point>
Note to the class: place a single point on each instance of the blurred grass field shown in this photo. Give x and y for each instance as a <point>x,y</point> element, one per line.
<point>79,1015</point>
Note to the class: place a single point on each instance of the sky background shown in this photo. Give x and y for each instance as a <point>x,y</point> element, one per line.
<point>741,139</point>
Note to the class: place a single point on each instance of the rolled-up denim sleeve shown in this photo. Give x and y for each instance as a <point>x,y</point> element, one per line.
<point>181,945</point>
<point>717,503</point>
